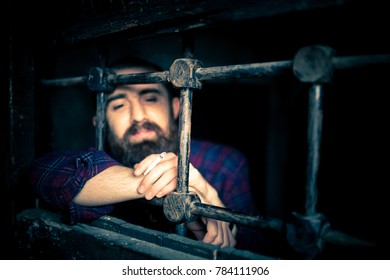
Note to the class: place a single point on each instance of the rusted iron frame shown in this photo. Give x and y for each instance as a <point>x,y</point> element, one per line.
<point>214,212</point>
<point>184,137</point>
<point>315,65</point>
<point>261,70</point>
<point>222,72</point>
<point>229,215</point>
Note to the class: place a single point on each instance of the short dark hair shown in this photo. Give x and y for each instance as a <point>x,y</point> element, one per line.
<point>132,61</point>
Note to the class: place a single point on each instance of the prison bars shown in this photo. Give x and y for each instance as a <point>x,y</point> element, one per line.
<point>313,64</point>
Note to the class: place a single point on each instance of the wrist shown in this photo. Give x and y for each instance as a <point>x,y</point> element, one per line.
<point>208,194</point>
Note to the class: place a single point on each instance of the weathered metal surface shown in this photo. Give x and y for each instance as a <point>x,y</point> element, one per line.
<point>100,120</point>
<point>41,235</point>
<point>241,218</point>
<point>314,134</point>
<point>89,20</point>
<point>178,207</point>
<point>313,64</point>
<point>182,73</point>
<point>252,70</point>
<point>179,242</point>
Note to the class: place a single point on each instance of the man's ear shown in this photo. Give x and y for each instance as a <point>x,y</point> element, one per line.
<point>176,107</point>
<point>94,120</point>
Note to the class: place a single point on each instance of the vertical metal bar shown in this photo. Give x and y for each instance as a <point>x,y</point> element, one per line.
<point>100,120</point>
<point>184,147</point>
<point>184,131</point>
<point>314,143</point>
<point>184,139</point>
<point>100,106</point>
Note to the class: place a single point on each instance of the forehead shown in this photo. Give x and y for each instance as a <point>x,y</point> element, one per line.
<point>133,70</point>
<point>138,88</point>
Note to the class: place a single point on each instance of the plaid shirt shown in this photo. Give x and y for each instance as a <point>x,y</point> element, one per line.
<point>59,176</point>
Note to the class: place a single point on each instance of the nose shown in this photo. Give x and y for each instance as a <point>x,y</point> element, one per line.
<point>137,111</point>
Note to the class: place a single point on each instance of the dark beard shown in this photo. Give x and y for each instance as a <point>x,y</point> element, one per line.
<point>129,154</point>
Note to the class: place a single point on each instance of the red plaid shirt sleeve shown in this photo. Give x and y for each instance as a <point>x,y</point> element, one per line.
<point>59,176</point>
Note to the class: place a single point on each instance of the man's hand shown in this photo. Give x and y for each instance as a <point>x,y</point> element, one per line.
<point>162,179</point>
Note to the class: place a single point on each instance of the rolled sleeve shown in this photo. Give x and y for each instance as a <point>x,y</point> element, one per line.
<point>59,176</point>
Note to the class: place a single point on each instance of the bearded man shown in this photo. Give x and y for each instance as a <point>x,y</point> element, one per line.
<point>141,123</point>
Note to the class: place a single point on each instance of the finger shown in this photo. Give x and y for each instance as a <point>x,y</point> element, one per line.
<point>229,239</point>
<point>164,185</point>
<point>141,167</point>
<point>219,239</point>
<point>168,188</point>
<point>197,227</point>
<point>163,168</point>
<point>212,231</point>
<point>161,180</point>
<point>225,233</point>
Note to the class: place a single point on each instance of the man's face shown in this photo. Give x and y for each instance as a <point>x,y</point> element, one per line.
<point>140,120</point>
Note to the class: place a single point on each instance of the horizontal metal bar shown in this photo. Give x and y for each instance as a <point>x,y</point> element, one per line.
<point>340,238</point>
<point>346,62</point>
<point>266,69</point>
<point>224,214</point>
<point>228,215</point>
<point>65,82</point>
<point>140,78</point>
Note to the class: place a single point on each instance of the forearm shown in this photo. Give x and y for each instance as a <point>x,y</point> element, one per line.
<point>114,184</point>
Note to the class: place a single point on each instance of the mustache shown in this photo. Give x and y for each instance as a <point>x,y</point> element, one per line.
<point>137,126</point>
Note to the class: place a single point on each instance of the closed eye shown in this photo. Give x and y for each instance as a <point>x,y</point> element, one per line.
<point>115,101</point>
<point>151,99</point>
<point>116,107</point>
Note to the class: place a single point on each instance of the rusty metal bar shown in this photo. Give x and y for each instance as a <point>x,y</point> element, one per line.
<point>184,137</point>
<point>229,215</point>
<point>346,62</point>
<point>184,140</point>
<point>314,133</point>
<point>65,82</point>
<point>266,69</point>
<point>140,78</point>
<point>101,106</point>
<point>100,120</point>
<point>340,238</point>
<point>224,214</point>
<point>236,217</point>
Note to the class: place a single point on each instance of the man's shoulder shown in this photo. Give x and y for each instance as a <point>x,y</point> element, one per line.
<point>88,154</point>
<point>206,147</point>
<point>213,158</point>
